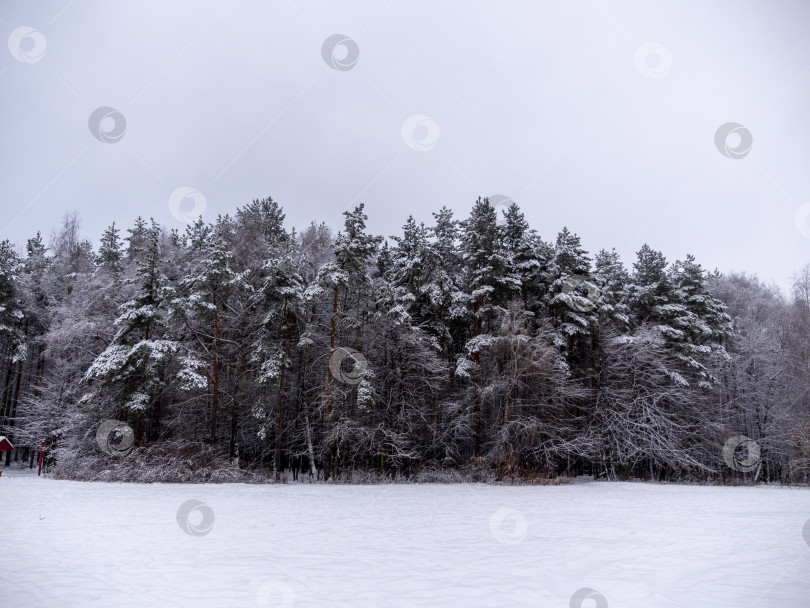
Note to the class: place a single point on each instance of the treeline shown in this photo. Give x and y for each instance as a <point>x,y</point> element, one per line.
<point>468,346</point>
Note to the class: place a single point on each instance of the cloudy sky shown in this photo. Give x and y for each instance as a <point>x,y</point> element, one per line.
<point>606,117</point>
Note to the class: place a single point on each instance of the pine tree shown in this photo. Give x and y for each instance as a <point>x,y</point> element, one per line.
<point>283,292</point>
<point>197,236</point>
<point>353,253</point>
<point>572,297</point>
<point>137,238</point>
<point>13,347</point>
<point>11,313</point>
<point>132,370</point>
<point>348,275</point>
<point>448,313</point>
<point>613,281</point>
<point>522,245</point>
<point>261,220</point>
<point>203,307</point>
<point>650,290</point>
<point>489,280</point>
<point>676,303</point>
<point>110,252</point>
<point>409,273</point>
<point>701,319</point>
<point>490,285</point>
<point>709,322</point>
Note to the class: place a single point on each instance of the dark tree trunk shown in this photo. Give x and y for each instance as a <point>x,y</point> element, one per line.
<point>13,409</point>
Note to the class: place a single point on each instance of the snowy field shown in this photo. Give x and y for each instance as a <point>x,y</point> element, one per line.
<point>652,546</point>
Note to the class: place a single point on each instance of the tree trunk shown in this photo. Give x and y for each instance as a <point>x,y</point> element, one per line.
<point>332,331</point>
<point>5,400</point>
<point>435,414</point>
<point>280,396</point>
<point>476,398</point>
<point>234,418</point>
<point>215,396</point>
<point>310,451</point>
<point>13,409</point>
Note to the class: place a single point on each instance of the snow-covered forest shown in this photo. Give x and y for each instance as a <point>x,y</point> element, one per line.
<point>471,348</point>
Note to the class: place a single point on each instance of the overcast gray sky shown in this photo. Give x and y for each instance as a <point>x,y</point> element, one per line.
<point>600,116</point>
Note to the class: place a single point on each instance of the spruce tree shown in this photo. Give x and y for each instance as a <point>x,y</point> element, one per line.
<point>110,252</point>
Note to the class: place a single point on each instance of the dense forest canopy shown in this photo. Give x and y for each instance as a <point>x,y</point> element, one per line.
<point>469,346</point>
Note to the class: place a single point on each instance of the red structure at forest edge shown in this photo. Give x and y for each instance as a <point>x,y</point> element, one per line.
<point>5,446</point>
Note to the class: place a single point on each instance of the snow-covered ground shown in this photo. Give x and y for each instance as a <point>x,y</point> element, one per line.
<point>653,546</point>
